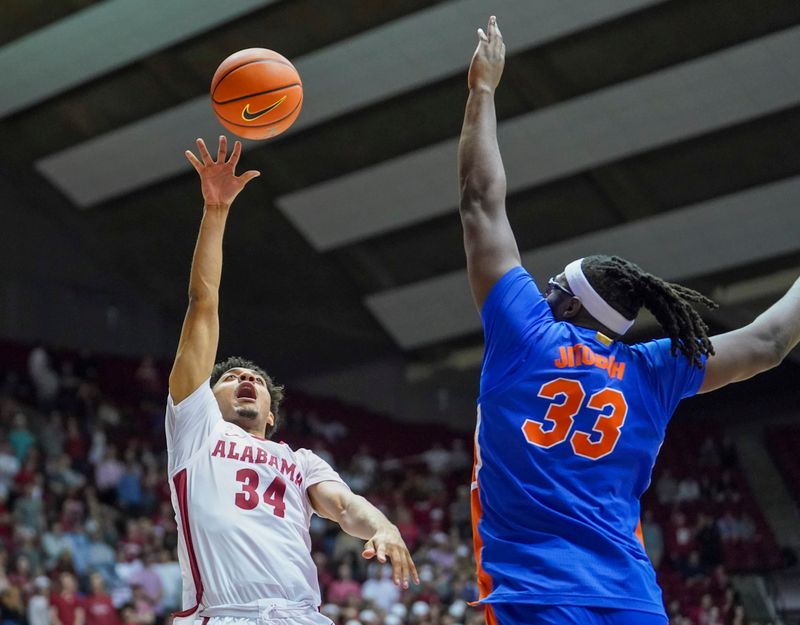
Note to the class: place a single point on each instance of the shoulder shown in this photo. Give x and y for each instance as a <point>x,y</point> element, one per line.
<point>199,399</point>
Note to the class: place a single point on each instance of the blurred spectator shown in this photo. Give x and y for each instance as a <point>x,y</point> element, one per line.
<point>61,477</point>
<point>148,580</point>
<point>12,608</point>
<point>66,607</point>
<point>688,490</point>
<point>39,603</point>
<point>681,537</point>
<point>43,376</point>
<point>709,542</point>
<point>107,475</point>
<point>20,437</point>
<point>75,443</point>
<point>345,587</point>
<point>129,487</point>
<point>148,378</point>
<point>437,459</point>
<point>460,512</point>
<point>9,467</point>
<point>99,608</point>
<point>653,538</point>
<point>379,588</point>
<point>54,543</point>
<point>100,556</point>
<point>701,614</point>
<point>143,606</point>
<point>460,460</point>
<point>667,488</point>
<point>52,436</point>
<point>691,568</point>
<point>169,572</point>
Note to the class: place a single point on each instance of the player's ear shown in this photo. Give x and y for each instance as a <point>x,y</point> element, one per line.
<point>572,308</point>
<point>270,419</point>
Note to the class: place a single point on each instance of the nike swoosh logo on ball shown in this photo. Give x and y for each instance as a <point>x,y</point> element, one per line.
<point>249,116</point>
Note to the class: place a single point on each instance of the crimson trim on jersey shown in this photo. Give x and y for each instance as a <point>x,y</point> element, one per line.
<point>183,507</point>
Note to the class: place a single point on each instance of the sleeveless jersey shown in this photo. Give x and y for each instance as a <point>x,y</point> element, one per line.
<point>241,508</point>
<point>569,426</point>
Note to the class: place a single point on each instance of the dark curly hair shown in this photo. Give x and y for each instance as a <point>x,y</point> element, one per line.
<point>627,288</point>
<point>275,390</point>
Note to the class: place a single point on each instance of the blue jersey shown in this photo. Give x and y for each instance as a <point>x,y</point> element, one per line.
<point>569,426</point>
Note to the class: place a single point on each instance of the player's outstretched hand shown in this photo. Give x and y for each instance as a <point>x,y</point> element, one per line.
<point>489,59</point>
<point>218,178</point>
<point>388,542</point>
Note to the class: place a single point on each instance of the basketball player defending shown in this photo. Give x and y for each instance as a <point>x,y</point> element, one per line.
<point>570,420</point>
<point>243,502</point>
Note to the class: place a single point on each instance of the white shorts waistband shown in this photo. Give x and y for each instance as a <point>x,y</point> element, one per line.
<point>264,608</point>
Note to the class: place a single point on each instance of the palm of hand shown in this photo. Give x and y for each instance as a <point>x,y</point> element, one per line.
<point>219,184</point>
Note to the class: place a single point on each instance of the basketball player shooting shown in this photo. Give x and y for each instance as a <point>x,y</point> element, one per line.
<point>242,502</point>
<point>570,419</point>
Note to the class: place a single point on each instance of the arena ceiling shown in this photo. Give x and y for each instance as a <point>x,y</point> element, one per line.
<point>665,131</point>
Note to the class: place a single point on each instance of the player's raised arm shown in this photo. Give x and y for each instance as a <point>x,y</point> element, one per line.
<point>359,518</point>
<point>488,240</point>
<point>758,346</point>
<point>200,334</point>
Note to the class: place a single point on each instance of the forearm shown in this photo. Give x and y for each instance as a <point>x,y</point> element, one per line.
<point>359,518</point>
<point>197,346</point>
<point>480,167</point>
<point>206,272</point>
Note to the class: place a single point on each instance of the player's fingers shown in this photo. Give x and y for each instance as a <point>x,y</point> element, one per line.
<point>381,553</point>
<point>397,570</point>
<point>204,153</point>
<point>237,152</point>
<point>193,160</point>
<point>491,29</point>
<point>482,36</point>
<point>413,568</point>
<point>401,555</point>
<point>249,175</point>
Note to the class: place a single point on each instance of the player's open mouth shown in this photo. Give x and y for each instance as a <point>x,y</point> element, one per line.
<point>246,390</point>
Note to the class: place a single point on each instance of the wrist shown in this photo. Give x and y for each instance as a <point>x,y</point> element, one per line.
<point>482,90</point>
<point>216,206</point>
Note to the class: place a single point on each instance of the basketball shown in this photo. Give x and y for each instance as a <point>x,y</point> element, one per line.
<point>256,93</point>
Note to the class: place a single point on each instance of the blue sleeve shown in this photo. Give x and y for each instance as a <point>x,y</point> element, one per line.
<point>512,315</point>
<point>674,377</point>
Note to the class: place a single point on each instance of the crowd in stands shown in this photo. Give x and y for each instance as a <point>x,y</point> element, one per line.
<point>88,536</point>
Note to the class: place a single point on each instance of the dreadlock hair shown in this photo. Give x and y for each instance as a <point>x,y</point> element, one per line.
<point>626,288</point>
<point>275,390</point>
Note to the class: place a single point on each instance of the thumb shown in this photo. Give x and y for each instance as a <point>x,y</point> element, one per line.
<point>482,36</point>
<point>249,175</point>
<point>369,550</point>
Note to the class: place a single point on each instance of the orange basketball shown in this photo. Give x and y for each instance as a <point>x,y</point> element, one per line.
<point>256,93</point>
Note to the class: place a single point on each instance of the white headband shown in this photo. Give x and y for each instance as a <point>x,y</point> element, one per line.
<point>591,300</point>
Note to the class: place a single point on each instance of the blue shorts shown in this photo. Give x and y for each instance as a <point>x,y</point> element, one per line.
<point>530,614</point>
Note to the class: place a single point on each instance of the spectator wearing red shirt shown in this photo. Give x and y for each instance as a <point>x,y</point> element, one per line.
<point>99,608</point>
<point>344,588</point>
<point>66,606</point>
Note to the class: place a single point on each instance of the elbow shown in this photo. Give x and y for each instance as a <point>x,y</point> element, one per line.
<point>200,300</point>
<point>773,349</point>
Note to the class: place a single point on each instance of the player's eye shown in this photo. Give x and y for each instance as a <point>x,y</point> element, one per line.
<point>260,381</point>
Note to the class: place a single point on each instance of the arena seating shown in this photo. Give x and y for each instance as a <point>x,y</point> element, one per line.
<point>88,495</point>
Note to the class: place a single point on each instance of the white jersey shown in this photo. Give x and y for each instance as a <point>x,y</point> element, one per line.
<point>242,511</point>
